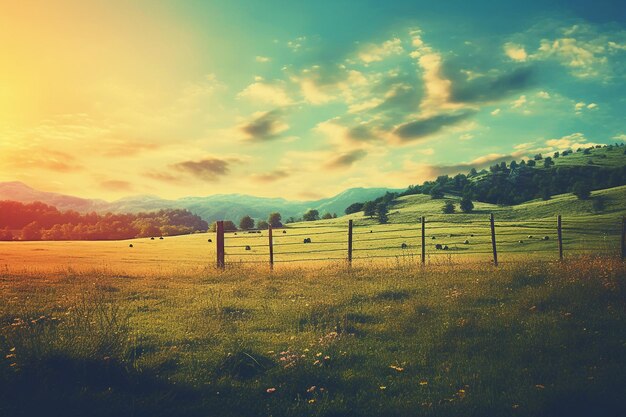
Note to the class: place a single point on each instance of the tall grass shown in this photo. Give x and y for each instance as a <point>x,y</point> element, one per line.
<point>532,339</point>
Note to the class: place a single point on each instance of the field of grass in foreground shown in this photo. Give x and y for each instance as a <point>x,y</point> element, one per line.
<point>533,339</point>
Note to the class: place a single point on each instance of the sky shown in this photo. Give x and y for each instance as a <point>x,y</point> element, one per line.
<point>298,99</point>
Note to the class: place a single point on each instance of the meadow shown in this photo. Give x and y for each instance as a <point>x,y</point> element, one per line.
<point>531,339</point>
<point>105,329</point>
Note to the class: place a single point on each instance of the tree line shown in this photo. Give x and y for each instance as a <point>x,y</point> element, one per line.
<point>40,221</point>
<point>274,220</point>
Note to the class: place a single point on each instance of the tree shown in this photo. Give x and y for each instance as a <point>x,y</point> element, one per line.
<point>275,220</point>
<point>381,213</point>
<point>327,216</point>
<point>466,205</point>
<point>513,165</point>
<point>262,225</point>
<point>436,192</point>
<point>448,208</point>
<point>246,223</point>
<point>531,163</point>
<point>473,172</point>
<point>311,215</point>
<point>334,215</point>
<point>538,157</point>
<point>369,209</point>
<point>32,231</point>
<point>556,155</point>
<point>354,208</point>
<point>582,190</point>
<point>548,162</point>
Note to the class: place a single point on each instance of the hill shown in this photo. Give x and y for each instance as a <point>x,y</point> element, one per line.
<point>210,208</point>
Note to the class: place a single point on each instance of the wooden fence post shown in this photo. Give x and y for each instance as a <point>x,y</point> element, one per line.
<point>493,241</point>
<point>271,245</point>
<point>623,241</point>
<point>220,245</point>
<point>560,236</point>
<point>423,240</point>
<point>350,241</point>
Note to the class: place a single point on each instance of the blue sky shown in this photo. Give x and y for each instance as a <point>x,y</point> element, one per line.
<point>299,99</point>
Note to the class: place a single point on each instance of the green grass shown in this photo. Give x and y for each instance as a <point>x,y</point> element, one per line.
<point>584,231</point>
<point>603,157</point>
<point>535,339</point>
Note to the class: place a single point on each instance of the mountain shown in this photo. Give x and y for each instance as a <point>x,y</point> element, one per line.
<point>18,191</point>
<point>210,208</point>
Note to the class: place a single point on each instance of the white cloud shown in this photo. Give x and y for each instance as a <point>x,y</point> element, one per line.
<point>519,102</point>
<point>515,52</point>
<point>579,106</point>
<point>592,106</point>
<point>375,53</point>
<point>262,59</point>
<point>621,136</point>
<point>466,136</point>
<point>573,141</point>
<point>543,94</point>
<point>266,93</point>
<point>496,112</point>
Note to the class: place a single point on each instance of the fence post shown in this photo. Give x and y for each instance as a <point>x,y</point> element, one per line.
<point>623,241</point>
<point>350,241</point>
<point>560,236</point>
<point>271,245</point>
<point>493,241</point>
<point>423,240</point>
<point>220,244</point>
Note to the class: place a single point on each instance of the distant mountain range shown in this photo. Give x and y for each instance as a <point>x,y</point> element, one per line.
<point>210,208</point>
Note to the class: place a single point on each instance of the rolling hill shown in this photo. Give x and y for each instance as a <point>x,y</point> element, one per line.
<point>210,208</point>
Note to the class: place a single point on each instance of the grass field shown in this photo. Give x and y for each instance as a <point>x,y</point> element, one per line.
<point>539,339</point>
<point>105,329</point>
<point>584,231</point>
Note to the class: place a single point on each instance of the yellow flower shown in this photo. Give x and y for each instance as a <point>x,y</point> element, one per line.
<point>270,390</point>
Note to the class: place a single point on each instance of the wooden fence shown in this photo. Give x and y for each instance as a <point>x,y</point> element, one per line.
<point>318,242</point>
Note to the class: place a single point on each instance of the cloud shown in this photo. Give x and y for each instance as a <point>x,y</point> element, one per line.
<point>297,43</point>
<point>621,136</point>
<point>492,88</point>
<point>50,160</point>
<point>116,185</point>
<point>125,148</point>
<point>585,58</point>
<point>495,112</point>
<point>515,52</point>
<point>573,141</point>
<point>270,176</point>
<point>425,127</point>
<point>266,93</point>
<point>264,126</point>
<point>208,169</point>
<point>519,102</point>
<point>544,95</point>
<point>163,177</point>
<point>375,53</point>
<point>484,161</point>
<point>346,160</point>
<point>262,59</point>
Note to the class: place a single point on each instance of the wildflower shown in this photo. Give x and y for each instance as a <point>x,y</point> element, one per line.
<point>423,382</point>
<point>539,386</point>
<point>396,368</point>
<point>312,400</point>
<point>311,389</point>
<point>326,357</point>
<point>270,390</point>
<point>382,387</point>
<point>12,349</point>
<point>10,355</point>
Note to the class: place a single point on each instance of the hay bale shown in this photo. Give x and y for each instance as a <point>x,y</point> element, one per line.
<point>130,246</point>
<point>466,242</point>
<point>438,246</point>
<point>404,246</point>
<point>248,247</point>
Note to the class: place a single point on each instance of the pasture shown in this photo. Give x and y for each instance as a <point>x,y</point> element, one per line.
<point>105,329</point>
<point>532,339</point>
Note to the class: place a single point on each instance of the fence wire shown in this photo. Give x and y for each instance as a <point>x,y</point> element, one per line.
<point>533,236</point>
